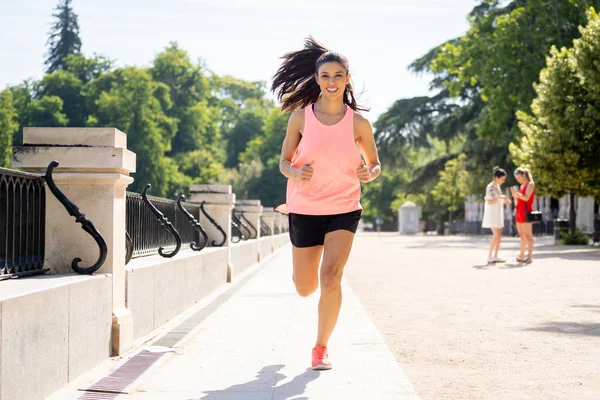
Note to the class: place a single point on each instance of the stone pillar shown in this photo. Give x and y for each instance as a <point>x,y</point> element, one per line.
<point>408,218</point>
<point>219,201</point>
<point>252,211</point>
<point>564,207</point>
<point>93,173</point>
<point>279,222</point>
<point>585,214</point>
<point>268,217</point>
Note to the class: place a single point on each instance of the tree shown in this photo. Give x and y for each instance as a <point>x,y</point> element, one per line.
<point>190,92</point>
<point>502,54</point>
<point>561,139</point>
<point>248,126</point>
<point>377,196</point>
<point>45,112</point>
<point>451,190</point>
<point>8,127</point>
<point>69,89</point>
<point>21,97</point>
<point>268,144</point>
<point>200,166</point>
<point>64,37</point>
<point>136,105</point>
<point>87,69</point>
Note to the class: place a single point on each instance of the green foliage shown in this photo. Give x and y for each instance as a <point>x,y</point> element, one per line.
<point>451,189</point>
<point>134,104</point>
<point>268,144</point>
<point>21,97</point>
<point>189,92</point>
<point>45,112</point>
<point>243,177</point>
<point>502,54</point>
<point>68,88</point>
<point>64,37</point>
<point>578,238</point>
<point>377,196</point>
<point>247,127</point>
<point>270,186</point>
<point>561,139</point>
<point>200,165</point>
<point>8,127</point>
<point>419,199</point>
<point>87,69</point>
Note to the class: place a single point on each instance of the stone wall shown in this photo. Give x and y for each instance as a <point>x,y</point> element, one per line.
<point>52,329</point>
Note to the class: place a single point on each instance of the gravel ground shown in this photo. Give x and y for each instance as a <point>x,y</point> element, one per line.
<point>464,330</point>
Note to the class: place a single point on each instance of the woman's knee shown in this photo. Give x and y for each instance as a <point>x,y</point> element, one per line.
<point>306,289</point>
<point>331,279</point>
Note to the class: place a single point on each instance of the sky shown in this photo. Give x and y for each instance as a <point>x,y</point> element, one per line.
<point>245,38</point>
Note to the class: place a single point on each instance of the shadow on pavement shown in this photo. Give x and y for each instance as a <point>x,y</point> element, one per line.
<point>569,328</point>
<point>266,384</point>
<point>592,308</point>
<point>580,255</point>
<point>499,266</point>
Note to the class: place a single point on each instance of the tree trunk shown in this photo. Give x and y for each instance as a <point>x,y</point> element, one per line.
<point>441,227</point>
<point>572,216</point>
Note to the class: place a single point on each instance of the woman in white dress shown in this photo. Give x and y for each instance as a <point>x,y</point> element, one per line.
<point>493,213</point>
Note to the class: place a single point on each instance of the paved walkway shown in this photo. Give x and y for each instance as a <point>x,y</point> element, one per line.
<point>252,341</point>
<point>462,329</point>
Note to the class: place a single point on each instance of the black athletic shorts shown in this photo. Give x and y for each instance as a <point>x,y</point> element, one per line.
<point>310,230</point>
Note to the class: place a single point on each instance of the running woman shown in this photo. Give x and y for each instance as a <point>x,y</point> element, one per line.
<point>321,157</point>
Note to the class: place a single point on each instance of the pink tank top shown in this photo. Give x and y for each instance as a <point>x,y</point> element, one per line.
<point>334,187</point>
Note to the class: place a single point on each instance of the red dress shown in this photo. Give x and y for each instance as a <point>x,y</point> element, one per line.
<point>523,207</point>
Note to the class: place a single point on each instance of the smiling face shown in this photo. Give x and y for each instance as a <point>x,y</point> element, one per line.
<point>332,78</point>
<point>501,180</point>
<point>520,178</point>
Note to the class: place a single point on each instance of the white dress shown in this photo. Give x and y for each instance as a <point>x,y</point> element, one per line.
<point>493,214</point>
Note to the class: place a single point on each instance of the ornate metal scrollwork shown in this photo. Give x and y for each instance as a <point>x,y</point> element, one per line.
<point>164,222</point>
<point>194,246</point>
<point>212,221</point>
<point>86,225</point>
<point>236,232</point>
<point>264,228</point>
<point>128,248</point>
<point>240,225</point>
<point>253,232</point>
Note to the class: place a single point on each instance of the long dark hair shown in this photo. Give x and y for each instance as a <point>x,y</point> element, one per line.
<point>295,85</point>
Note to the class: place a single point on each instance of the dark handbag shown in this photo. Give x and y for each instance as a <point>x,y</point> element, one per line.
<point>534,216</point>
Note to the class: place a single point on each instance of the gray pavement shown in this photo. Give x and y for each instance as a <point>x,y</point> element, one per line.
<point>462,329</point>
<point>256,345</point>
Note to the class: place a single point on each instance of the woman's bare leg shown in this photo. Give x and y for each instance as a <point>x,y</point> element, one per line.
<point>498,240</point>
<point>306,269</point>
<point>336,251</point>
<point>492,244</point>
<point>530,240</point>
<point>523,239</point>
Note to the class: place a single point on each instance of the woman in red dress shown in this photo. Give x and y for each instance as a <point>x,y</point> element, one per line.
<point>524,198</point>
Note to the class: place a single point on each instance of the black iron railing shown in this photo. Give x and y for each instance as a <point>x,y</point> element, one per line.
<point>22,223</point>
<point>238,230</point>
<point>264,228</point>
<point>151,234</point>
<point>251,228</point>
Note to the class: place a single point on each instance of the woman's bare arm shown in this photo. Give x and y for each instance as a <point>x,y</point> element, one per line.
<point>528,192</point>
<point>290,144</point>
<point>366,144</point>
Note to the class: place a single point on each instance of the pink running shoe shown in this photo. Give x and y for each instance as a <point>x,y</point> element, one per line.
<point>320,358</point>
